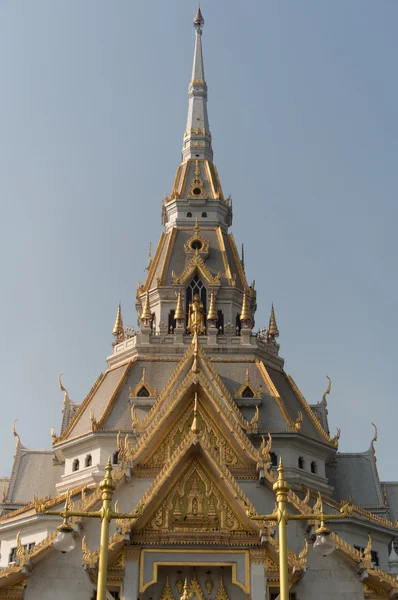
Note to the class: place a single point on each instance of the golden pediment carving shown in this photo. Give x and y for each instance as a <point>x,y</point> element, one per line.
<point>196,263</point>
<point>195,503</point>
<point>180,429</point>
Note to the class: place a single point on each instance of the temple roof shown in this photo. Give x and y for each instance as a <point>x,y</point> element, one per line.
<point>355,476</point>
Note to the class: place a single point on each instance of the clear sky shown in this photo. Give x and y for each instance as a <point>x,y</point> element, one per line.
<point>303,112</point>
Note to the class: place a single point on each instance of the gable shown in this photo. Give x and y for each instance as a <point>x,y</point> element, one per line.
<point>228,452</point>
<point>193,501</point>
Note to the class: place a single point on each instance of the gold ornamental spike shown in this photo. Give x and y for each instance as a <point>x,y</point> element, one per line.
<point>185,595</point>
<point>146,312</point>
<point>212,314</point>
<point>245,314</point>
<point>195,427</point>
<point>273,331</point>
<point>179,314</point>
<point>118,331</point>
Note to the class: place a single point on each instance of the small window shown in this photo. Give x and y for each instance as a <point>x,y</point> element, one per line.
<point>13,555</point>
<point>75,465</point>
<point>189,214</point>
<point>274,459</point>
<point>313,467</point>
<point>196,245</point>
<point>143,392</point>
<point>374,555</point>
<point>89,460</point>
<point>301,462</point>
<point>115,458</point>
<point>247,393</point>
<point>204,215</point>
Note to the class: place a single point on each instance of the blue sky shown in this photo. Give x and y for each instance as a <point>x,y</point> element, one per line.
<point>302,108</point>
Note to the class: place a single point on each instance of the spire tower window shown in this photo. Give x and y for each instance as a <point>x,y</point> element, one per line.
<point>196,287</point>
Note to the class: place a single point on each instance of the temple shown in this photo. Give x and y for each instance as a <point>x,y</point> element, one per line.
<point>195,409</point>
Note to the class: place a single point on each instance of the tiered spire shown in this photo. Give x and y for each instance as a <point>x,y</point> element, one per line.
<point>273,331</point>
<point>212,314</point>
<point>197,138</point>
<point>179,314</point>
<point>146,311</point>
<point>118,330</point>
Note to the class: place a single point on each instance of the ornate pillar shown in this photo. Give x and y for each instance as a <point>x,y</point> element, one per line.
<point>258,581</point>
<point>131,574</point>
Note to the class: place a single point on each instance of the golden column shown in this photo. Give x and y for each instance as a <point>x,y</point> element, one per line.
<point>323,543</point>
<point>64,542</point>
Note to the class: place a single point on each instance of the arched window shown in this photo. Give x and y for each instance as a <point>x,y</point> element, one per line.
<point>204,215</point>
<point>238,324</point>
<point>196,287</point>
<point>247,393</point>
<point>89,461</point>
<point>301,462</point>
<point>220,322</point>
<point>189,214</point>
<point>115,457</point>
<point>313,467</point>
<point>172,321</point>
<point>75,465</point>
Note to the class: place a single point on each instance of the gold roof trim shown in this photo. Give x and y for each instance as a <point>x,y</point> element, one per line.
<point>81,409</point>
<point>154,264</point>
<point>116,393</point>
<point>267,378</point>
<point>227,268</point>
<point>133,393</point>
<point>198,263</point>
<point>310,413</point>
<point>218,183</point>
<point>171,238</point>
<point>247,384</point>
<point>241,271</point>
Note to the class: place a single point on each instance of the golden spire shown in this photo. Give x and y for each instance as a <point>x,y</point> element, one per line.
<point>195,426</point>
<point>273,331</point>
<point>118,330</point>
<point>179,313</point>
<point>146,312</point>
<point>245,314</point>
<point>212,314</point>
<point>185,595</point>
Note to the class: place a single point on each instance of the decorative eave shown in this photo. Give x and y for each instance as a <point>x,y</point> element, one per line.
<point>309,412</point>
<point>241,272</point>
<point>270,384</point>
<point>81,409</point>
<point>154,265</point>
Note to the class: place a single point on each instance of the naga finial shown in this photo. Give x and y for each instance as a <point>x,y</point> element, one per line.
<point>324,402</point>
<point>16,434</point>
<point>63,389</point>
<point>372,443</point>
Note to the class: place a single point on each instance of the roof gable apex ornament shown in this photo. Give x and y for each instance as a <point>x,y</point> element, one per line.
<point>198,19</point>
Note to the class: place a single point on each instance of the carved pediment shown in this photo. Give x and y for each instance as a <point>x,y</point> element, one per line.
<point>195,503</point>
<point>224,450</point>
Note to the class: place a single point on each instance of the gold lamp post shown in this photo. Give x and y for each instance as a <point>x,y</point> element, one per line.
<point>323,543</point>
<point>64,542</point>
